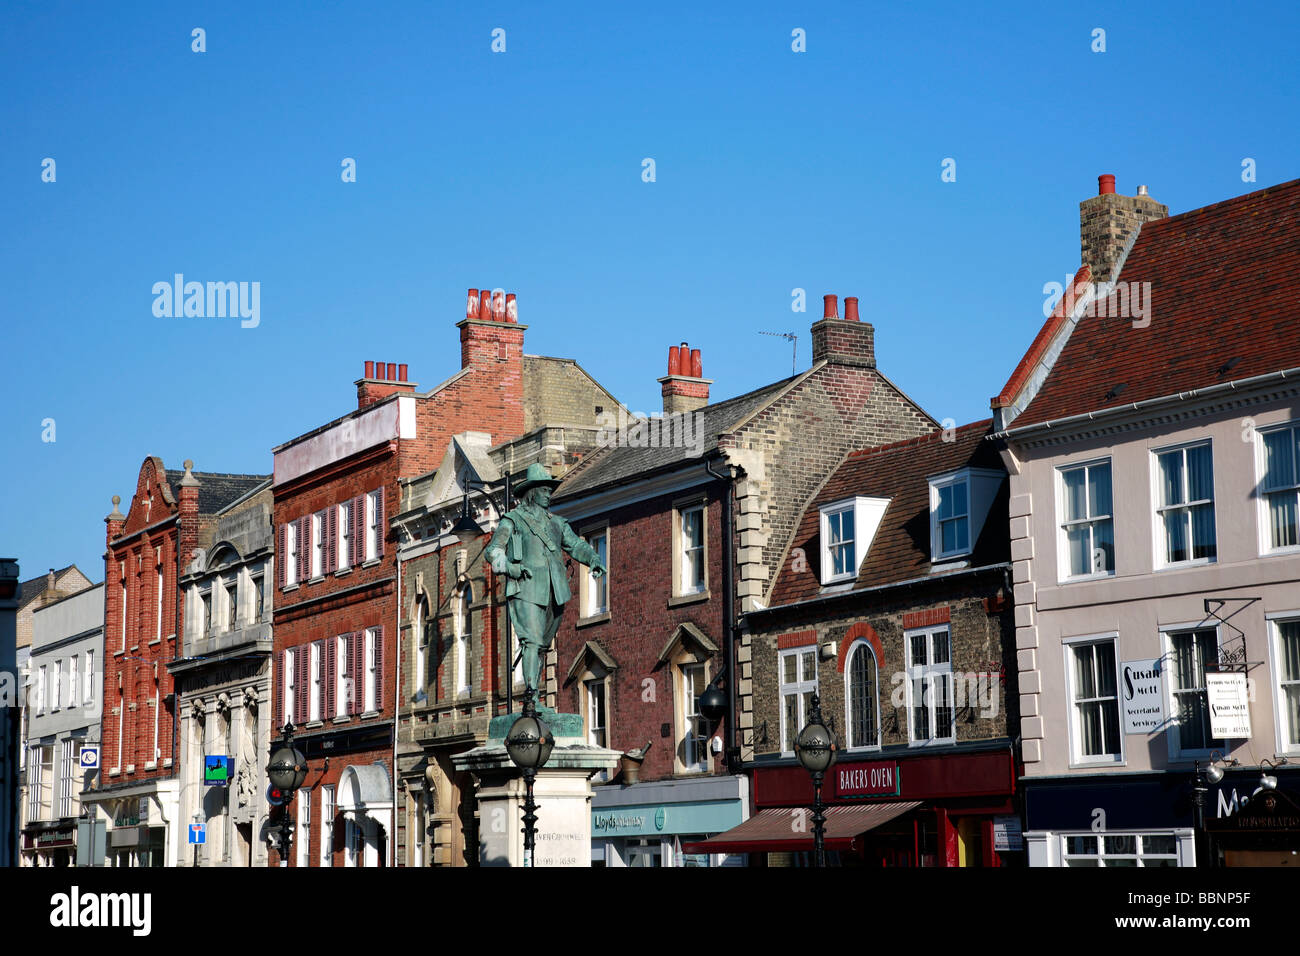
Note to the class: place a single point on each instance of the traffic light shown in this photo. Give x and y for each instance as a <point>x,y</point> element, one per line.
<point>275,796</point>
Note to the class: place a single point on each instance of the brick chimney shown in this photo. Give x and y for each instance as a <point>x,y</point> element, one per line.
<point>846,341</point>
<point>492,344</point>
<point>115,520</point>
<point>684,387</point>
<point>380,380</point>
<point>187,515</point>
<point>1108,222</point>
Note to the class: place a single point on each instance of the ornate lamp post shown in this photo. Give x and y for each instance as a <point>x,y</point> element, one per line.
<point>529,744</point>
<point>286,770</point>
<point>815,748</point>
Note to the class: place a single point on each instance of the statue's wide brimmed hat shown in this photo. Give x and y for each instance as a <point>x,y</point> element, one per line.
<point>536,476</point>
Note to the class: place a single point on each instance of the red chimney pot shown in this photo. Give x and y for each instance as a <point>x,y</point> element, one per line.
<point>485,305</point>
<point>674,360</point>
<point>831,307</point>
<point>1105,184</point>
<point>392,372</point>
<point>401,373</point>
<point>512,308</point>
<point>498,306</point>
<point>851,308</point>
<point>697,367</point>
<point>471,307</point>
<point>370,370</point>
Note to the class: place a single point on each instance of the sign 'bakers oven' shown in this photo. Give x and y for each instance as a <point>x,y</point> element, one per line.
<point>867,779</point>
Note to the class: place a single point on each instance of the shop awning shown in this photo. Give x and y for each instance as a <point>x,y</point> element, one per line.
<point>777,830</point>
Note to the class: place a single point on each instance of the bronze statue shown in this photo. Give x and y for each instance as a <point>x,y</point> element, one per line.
<point>528,547</point>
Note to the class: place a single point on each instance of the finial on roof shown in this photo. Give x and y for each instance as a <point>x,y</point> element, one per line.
<point>116,515</point>
<point>188,480</point>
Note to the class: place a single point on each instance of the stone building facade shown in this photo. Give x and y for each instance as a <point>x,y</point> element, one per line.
<point>222,681</point>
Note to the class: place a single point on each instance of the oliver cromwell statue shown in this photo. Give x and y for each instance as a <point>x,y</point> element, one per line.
<point>528,547</point>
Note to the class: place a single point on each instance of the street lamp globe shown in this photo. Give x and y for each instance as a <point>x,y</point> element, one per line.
<point>712,704</point>
<point>815,745</point>
<point>287,769</point>
<point>529,742</point>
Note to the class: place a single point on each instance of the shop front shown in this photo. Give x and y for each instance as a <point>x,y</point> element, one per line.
<point>652,824</point>
<point>907,809</point>
<point>50,844</point>
<point>1149,819</point>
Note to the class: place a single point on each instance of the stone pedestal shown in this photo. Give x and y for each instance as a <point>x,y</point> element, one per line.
<point>562,792</point>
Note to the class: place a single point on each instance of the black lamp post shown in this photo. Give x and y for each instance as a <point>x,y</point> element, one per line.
<point>286,770</point>
<point>529,744</point>
<point>815,748</point>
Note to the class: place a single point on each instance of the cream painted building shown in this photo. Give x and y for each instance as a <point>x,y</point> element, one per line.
<point>1155,494</point>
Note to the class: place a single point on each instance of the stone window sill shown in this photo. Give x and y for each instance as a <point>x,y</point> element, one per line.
<point>341,719</point>
<point>594,619</point>
<point>342,571</point>
<point>289,587</point>
<point>151,765</point>
<point>678,600</point>
<point>372,563</point>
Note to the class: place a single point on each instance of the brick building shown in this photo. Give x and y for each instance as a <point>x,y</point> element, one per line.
<point>893,605</point>
<point>338,660</point>
<point>694,513</point>
<point>1151,436</point>
<point>170,518</point>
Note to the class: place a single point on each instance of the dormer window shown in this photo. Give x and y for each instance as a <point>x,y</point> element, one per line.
<point>847,529</point>
<point>959,503</point>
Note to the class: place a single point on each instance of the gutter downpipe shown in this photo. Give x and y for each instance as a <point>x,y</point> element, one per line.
<point>729,613</point>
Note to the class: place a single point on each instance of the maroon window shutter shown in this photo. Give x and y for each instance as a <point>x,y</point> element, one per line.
<point>379,522</point>
<point>358,530</point>
<point>330,666</point>
<point>277,692</point>
<point>302,663</point>
<point>332,540</point>
<point>304,542</point>
<point>279,561</point>
<point>379,668</point>
<point>357,669</point>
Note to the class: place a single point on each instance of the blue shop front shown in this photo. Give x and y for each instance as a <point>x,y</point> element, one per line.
<point>647,824</point>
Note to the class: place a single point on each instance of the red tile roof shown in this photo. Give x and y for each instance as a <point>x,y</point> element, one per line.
<point>900,550</point>
<point>1225,291</point>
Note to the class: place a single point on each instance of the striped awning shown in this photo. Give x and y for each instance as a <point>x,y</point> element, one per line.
<point>791,829</point>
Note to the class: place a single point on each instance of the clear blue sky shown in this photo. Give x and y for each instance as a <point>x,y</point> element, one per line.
<point>775,170</point>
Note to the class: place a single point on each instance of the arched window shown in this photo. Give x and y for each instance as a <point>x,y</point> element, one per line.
<point>464,634</point>
<point>418,642</point>
<point>861,694</point>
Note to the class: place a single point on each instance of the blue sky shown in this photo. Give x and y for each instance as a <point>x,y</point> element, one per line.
<point>775,170</point>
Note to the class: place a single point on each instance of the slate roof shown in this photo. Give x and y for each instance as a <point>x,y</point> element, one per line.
<point>617,463</point>
<point>1225,306</point>
<point>33,588</point>
<point>216,490</point>
<point>900,550</point>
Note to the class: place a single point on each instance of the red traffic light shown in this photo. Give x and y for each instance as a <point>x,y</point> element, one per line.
<point>276,797</point>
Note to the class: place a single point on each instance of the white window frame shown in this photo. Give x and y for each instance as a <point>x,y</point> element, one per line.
<point>593,711</point>
<point>67,778</point>
<point>928,673</point>
<point>372,525</point>
<point>418,644</point>
<point>1077,757</point>
<point>344,551</point>
<point>591,585</point>
<point>40,688</point>
<point>685,583</point>
<point>1261,471</point>
<point>1273,624</point>
<point>1138,857</point>
<point>371,701</point>
<point>74,679</point>
<point>122,567</point>
<point>289,676</point>
<point>856,647</point>
<point>829,576</point>
<point>155,753</point>
<point>801,685</point>
<point>1160,541</point>
<point>159,628</point>
<point>88,696</point>
<point>303,836</point>
<point>691,718</point>
<point>56,688</point>
<point>1178,753</point>
<point>318,544</point>
<point>1064,572</point>
<point>867,515</point>
<point>290,555</point>
<point>327,825</point>
<point>315,704</point>
<point>464,634</point>
<point>342,664</point>
<point>937,485</point>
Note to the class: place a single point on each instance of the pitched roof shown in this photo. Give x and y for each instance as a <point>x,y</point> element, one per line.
<point>216,490</point>
<point>33,588</point>
<point>899,471</point>
<point>1224,305</point>
<point>616,463</point>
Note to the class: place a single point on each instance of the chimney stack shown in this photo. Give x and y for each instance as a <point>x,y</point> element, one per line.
<point>846,341</point>
<point>1108,224</point>
<point>380,380</point>
<point>684,387</point>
